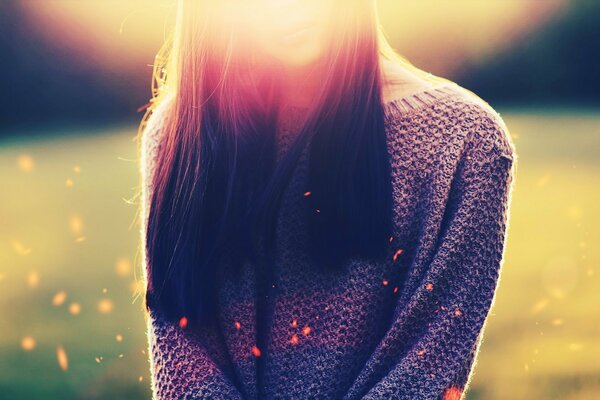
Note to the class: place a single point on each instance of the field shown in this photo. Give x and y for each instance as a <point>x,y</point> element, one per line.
<point>70,269</point>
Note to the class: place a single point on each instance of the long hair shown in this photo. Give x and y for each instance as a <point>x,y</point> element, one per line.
<point>217,188</point>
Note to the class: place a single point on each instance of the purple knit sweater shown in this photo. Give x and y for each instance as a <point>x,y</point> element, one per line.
<point>405,328</point>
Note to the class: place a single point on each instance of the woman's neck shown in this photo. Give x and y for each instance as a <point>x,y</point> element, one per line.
<point>301,84</point>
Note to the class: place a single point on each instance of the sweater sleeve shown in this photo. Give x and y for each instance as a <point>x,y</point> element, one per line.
<point>183,364</point>
<point>429,349</point>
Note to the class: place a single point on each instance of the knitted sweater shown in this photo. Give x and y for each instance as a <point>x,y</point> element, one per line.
<point>406,327</point>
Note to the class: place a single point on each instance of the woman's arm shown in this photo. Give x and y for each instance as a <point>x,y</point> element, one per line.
<point>183,364</point>
<point>429,349</point>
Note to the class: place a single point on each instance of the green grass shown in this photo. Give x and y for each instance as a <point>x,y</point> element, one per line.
<point>541,340</point>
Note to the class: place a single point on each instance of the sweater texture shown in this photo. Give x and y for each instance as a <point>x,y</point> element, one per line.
<point>407,326</point>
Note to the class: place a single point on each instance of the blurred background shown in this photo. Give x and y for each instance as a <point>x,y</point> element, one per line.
<point>75,78</point>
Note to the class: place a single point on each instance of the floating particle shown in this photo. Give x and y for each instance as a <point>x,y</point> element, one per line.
<point>76,224</point>
<point>141,378</point>
<point>391,238</point>
<point>104,290</point>
<point>25,162</point>
<point>397,254</point>
<point>457,312</point>
<point>121,355</point>
<point>294,323</point>
<point>557,321</point>
<point>575,346</point>
<point>183,322</point>
<point>420,352</point>
<point>80,239</point>
<point>385,282</point>
<point>443,308</point>
<point>59,298</point>
<point>69,182</point>
<point>306,330</point>
<point>294,339</point>
<point>539,306</point>
<point>119,337</point>
<point>318,210</point>
<point>28,343</point>
<point>77,168</point>
<point>237,325</point>
<point>396,289</point>
<point>98,360</point>
<point>256,351</point>
<point>452,393</point>
<point>74,308</point>
<point>429,286</point>
<point>306,194</point>
<point>105,306</point>
<point>33,279</point>
<point>61,356</point>
<point>123,267</point>
<point>20,247</point>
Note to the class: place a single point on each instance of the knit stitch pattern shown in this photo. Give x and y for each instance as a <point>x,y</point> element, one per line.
<point>406,326</point>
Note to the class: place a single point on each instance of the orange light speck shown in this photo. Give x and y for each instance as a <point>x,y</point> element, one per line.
<point>105,306</point>
<point>420,353</point>
<point>457,312</point>
<point>183,322</point>
<point>385,282</point>
<point>452,393</point>
<point>391,238</point>
<point>294,339</point>
<point>237,325</point>
<point>61,356</point>
<point>396,289</point>
<point>256,351</point>
<point>429,286</point>
<point>306,194</point>
<point>59,298</point>
<point>25,162</point>
<point>74,308</point>
<point>294,323</point>
<point>28,343</point>
<point>397,253</point>
<point>306,330</point>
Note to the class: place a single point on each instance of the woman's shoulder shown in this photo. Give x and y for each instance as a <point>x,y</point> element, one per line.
<point>485,129</point>
<point>452,114</point>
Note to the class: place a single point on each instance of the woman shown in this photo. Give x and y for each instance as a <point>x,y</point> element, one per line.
<point>320,218</point>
